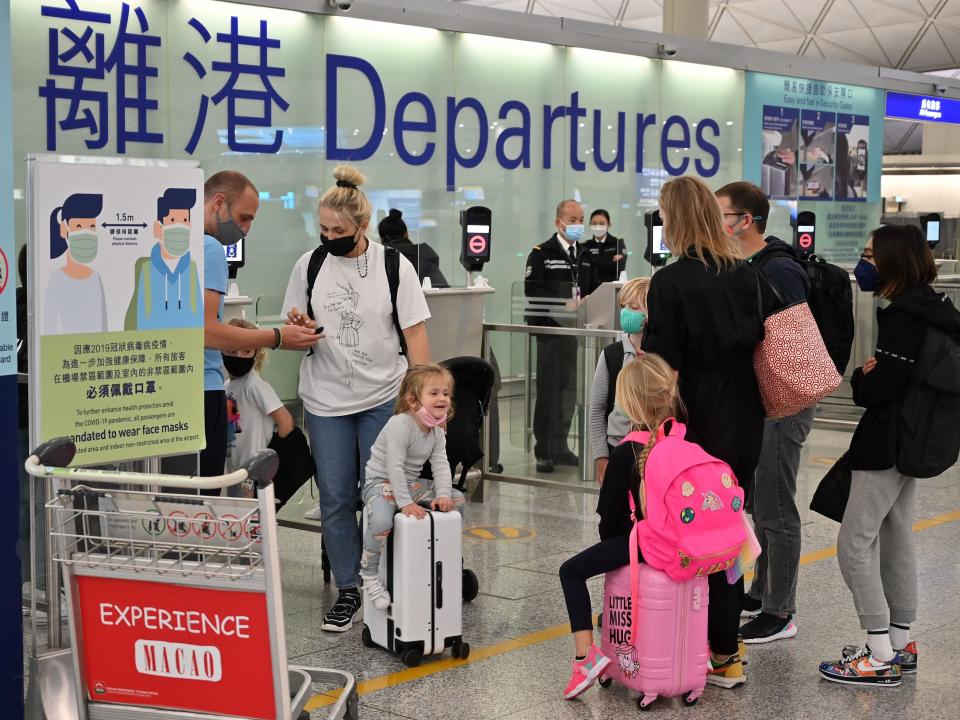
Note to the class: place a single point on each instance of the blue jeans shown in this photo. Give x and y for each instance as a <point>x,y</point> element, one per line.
<point>335,442</point>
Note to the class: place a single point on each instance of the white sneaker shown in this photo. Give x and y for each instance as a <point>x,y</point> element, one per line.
<point>312,514</point>
<point>376,592</point>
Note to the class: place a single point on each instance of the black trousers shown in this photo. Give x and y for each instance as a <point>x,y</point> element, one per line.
<point>723,613</point>
<point>213,457</point>
<point>556,395</point>
<point>603,557</point>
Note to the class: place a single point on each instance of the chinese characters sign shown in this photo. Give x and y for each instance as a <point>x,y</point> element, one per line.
<point>103,73</point>
<point>118,325</point>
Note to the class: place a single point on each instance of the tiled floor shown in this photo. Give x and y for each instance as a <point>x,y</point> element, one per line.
<point>520,599</point>
<point>521,650</point>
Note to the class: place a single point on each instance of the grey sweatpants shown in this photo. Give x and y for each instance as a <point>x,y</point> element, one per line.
<point>875,548</point>
<point>379,507</point>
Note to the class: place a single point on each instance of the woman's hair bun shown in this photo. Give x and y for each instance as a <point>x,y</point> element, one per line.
<point>395,214</point>
<point>349,175</point>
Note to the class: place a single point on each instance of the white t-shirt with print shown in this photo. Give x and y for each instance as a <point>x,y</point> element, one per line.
<point>250,400</point>
<point>358,366</point>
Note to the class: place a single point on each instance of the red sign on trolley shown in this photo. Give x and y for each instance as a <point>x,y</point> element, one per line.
<point>176,646</point>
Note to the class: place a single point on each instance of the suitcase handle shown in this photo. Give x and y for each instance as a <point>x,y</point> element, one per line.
<point>438,584</point>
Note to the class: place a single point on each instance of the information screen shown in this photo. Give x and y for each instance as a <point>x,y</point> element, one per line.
<point>933,231</point>
<point>659,247</point>
<point>478,241</point>
<point>234,252</point>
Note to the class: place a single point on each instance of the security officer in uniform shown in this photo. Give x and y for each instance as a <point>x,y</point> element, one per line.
<point>556,269</point>
<point>608,254</point>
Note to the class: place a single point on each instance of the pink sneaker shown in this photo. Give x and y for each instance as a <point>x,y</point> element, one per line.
<point>586,672</point>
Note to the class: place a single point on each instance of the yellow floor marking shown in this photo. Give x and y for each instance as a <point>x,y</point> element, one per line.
<point>541,636</point>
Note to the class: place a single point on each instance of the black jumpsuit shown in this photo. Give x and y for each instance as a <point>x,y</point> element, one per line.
<point>706,322</point>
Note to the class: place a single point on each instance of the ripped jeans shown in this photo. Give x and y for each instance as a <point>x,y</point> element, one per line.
<point>379,507</point>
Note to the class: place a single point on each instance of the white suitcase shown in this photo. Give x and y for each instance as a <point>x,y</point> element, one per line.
<point>422,570</point>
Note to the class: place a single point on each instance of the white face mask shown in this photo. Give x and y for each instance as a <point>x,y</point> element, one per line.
<point>598,231</point>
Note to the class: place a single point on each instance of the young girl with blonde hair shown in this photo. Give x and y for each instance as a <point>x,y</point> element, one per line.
<point>414,435</point>
<point>647,393</point>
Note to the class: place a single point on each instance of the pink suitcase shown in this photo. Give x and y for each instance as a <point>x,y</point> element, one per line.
<point>670,655</point>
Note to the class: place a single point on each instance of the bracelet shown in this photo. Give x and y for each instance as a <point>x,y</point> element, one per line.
<point>277,338</point>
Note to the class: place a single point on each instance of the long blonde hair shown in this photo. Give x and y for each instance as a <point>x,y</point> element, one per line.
<point>695,222</point>
<point>648,393</point>
<point>414,382</point>
<point>346,198</point>
<point>635,291</point>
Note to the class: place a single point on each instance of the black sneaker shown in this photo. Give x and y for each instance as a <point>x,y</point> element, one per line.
<point>566,458</point>
<point>766,628</point>
<point>751,607</point>
<point>340,617</point>
<point>545,466</point>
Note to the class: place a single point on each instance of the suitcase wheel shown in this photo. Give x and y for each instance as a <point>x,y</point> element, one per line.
<point>460,650</point>
<point>646,702</point>
<point>366,638</point>
<point>605,682</point>
<point>411,657</point>
<point>690,700</point>
<point>471,586</point>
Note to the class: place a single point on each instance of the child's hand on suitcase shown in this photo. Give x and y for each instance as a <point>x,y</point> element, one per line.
<point>443,504</point>
<point>414,510</point>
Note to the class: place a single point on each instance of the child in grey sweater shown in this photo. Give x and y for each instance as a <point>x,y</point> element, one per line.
<point>412,436</point>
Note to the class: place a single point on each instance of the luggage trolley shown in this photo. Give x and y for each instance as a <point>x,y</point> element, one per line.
<point>173,600</point>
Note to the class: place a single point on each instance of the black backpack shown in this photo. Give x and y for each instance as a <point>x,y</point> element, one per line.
<point>391,263</point>
<point>927,440</point>
<point>613,359</point>
<point>831,302</point>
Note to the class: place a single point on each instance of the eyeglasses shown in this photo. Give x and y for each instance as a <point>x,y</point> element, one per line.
<point>736,214</point>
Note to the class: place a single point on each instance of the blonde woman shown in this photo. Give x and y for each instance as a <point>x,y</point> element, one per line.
<point>647,392</point>
<point>349,383</point>
<point>705,320</point>
<point>608,423</point>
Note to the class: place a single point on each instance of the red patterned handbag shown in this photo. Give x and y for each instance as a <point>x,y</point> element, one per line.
<point>793,368</point>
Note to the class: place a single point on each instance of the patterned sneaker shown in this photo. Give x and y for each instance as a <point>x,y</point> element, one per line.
<point>586,672</point>
<point>907,658</point>
<point>340,617</point>
<point>751,607</point>
<point>766,628</point>
<point>861,668</point>
<point>727,674</point>
<point>376,592</point>
<point>742,650</point>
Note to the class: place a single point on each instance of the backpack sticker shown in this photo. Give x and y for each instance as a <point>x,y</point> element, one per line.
<point>736,503</point>
<point>687,515</point>
<point>726,480</point>
<point>711,501</point>
<point>684,560</point>
<point>529,271</point>
<point>687,489</point>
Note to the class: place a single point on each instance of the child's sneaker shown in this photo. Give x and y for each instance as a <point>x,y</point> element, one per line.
<point>766,628</point>
<point>727,674</point>
<point>586,672</point>
<point>861,668</point>
<point>742,650</point>
<point>340,617</point>
<point>376,592</point>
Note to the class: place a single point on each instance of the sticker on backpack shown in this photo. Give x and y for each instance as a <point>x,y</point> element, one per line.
<point>711,501</point>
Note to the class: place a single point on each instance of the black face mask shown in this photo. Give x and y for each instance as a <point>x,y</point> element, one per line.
<point>339,246</point>
<point>238,366</point>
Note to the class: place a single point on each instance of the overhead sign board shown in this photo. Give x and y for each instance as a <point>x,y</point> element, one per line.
<point>923,108</point>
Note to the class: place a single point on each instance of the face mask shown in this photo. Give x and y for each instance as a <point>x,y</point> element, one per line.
<point>339,246</point>
<point>632,321</point>
<point>228,232</point>
<point>868,279</point>
<point>238,366</point>
<point>83,246</point>
<point>573,233</point>
<point>599,231</point>
<point>424,416</point>
<point>176,239</point>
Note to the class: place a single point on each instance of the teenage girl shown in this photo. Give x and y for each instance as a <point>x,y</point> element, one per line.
<point>410,438</point>
<point>608,423</point>
<point>648,394</point>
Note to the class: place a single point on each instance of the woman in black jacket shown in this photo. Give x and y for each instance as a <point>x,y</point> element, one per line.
<point>393,233</point>
<point>875,544</point>
<point>705,320</point>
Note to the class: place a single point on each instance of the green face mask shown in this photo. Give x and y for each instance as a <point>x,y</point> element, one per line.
<point>176,239</point>
<point>83,246</point>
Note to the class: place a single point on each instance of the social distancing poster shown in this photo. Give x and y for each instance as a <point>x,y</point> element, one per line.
<point>117,321</point>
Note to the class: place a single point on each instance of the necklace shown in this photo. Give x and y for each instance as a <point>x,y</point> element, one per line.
<point>366,260</point>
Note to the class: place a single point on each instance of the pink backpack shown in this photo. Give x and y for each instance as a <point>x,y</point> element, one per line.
<point>692,526</point>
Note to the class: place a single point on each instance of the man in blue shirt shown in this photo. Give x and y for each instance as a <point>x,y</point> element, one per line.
<point>230,203</point>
